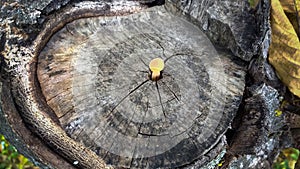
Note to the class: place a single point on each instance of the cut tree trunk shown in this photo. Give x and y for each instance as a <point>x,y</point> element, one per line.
<point>77,92</point>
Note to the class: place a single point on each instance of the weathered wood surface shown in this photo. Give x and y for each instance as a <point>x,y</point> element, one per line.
<point>20,64</point>
<point>90,73</point>
<point>230,24</point>
<point>76,72</point>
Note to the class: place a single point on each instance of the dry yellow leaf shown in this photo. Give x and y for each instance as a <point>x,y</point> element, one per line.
<point>292,10</point>
<point>284,52</point>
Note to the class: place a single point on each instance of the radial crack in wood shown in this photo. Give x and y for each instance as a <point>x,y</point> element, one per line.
<point>94,71</point>
<point>94,75</point>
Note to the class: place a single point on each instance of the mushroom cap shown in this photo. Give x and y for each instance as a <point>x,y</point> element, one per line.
<point>157,65</point>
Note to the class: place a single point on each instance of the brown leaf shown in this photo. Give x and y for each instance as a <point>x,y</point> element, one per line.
<point>288,5</point>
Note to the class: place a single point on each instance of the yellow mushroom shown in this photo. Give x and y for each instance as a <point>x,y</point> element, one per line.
<point>156,66</point>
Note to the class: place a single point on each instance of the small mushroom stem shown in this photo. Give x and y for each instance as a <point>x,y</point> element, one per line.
<point>155,75</point>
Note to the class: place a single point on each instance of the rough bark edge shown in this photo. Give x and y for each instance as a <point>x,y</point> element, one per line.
<point>24,85</point>
<point>221,24</point>
<point>15,131</point>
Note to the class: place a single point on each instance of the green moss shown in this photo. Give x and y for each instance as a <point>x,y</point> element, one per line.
<point>287,159</point>
<point>253,3</point>
<point>11,159</point>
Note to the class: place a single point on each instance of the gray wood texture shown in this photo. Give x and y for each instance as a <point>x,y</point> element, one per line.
<point>94,75</point>
<point>87,91</point>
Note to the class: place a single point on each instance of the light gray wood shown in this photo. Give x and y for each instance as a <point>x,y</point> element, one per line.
<point>77,87</point>
<point>90,72</point>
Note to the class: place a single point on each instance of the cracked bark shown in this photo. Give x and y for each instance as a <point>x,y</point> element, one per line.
<point>65,88</point>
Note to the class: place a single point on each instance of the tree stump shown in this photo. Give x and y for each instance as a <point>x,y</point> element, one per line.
<point>84,87</point>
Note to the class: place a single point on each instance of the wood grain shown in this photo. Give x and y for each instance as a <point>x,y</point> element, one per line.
<point>94,75</point>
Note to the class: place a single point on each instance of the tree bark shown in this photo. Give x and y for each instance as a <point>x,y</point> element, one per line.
<point>77,91</point>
